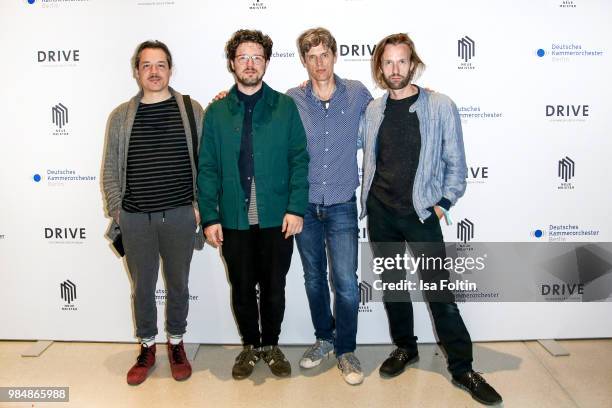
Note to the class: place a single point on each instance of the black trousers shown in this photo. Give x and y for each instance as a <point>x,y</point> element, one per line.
<point>258,256</point>
<point>389,235</point>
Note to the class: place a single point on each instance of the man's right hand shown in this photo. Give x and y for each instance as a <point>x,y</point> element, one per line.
<point>219,96</point>
<point>214,235</point>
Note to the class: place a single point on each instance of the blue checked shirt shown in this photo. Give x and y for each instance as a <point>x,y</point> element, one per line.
<point>332,139</point>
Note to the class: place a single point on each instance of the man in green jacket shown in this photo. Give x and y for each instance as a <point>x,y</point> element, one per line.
<point>253,193</point>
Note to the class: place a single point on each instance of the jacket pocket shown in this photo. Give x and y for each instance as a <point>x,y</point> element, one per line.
<point>281,186</point>
<point>228,201</point>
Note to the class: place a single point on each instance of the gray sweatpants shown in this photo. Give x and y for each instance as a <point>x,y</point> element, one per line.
<point>146,236</point>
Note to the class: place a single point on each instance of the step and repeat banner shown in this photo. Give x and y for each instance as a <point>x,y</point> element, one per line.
<point>531,81</point>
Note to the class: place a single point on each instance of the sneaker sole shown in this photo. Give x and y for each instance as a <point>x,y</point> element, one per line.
<point>353,383</point>
<point>182,379</point>
<point>312,364</point>
<point>385,375</point>
<point>466,389</point>
<point>240,377</point>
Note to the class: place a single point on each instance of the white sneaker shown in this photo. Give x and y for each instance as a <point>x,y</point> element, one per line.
<point>351,368</point>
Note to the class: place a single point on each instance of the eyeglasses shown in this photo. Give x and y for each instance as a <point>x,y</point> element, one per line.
<point>244,58</point>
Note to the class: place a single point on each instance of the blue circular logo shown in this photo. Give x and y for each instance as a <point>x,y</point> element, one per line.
<point>37,178</point>
<point>31,1</point>
<point>541,53</point>
<point>538,233</point>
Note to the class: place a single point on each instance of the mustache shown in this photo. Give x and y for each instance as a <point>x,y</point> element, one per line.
<point>153,77</point>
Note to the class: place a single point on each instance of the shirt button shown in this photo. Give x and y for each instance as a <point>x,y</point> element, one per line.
<point>246,199</point>
<point>325,166</point>
<point>326,132</point>
<point>325,182</point>
<point>327,116</point>
<point>248,178</point>
<point>326,149</point>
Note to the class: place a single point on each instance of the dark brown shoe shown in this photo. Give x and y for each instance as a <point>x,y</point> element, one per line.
<point>245,362</point>
<point>276,360</point>
<point>145,361</point>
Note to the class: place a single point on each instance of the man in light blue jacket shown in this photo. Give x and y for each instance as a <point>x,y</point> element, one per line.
<point>413,172</point>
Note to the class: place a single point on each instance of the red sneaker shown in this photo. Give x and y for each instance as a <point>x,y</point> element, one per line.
<point>179,365</point>
<point>145,361</point>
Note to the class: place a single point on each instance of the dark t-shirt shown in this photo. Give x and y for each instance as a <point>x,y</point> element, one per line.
<point>397,158</point>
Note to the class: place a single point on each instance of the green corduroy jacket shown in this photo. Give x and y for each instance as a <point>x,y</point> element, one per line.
<point>280,160</point>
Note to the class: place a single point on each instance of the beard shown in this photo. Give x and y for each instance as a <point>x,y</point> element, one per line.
<point>248,80</point>
<point>397,85</point>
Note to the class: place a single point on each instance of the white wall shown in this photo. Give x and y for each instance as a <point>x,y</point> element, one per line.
<point>521,148</point>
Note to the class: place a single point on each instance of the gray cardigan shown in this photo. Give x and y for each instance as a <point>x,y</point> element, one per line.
<point>117,142</point>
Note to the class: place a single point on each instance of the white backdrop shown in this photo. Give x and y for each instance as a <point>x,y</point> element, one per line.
<point>516,143</point>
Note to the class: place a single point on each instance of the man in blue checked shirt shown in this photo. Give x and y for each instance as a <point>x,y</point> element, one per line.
<point>331,109</point>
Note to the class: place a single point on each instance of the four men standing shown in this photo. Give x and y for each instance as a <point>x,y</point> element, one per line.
<point>273,166</point>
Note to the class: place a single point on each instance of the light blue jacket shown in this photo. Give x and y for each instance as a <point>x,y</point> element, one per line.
<point>441,174</point>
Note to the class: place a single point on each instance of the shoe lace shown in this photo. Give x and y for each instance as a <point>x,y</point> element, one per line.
<point>275,354</point>
<point>245,355</point>
<point>400,354</point>
<point>476,379</point>
<point>143,358</point>
<point>177,355</point>
<point>315,351</point>
<point>349,362</point>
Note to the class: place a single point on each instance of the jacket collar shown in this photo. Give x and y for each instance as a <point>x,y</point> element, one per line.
<point>136,98</point>
<point>135,101</point>
<point>235,106</point>
<point>340,88</point>
<point>421,100</point>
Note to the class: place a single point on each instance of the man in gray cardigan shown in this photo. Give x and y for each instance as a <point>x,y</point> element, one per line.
<point>149,186</point>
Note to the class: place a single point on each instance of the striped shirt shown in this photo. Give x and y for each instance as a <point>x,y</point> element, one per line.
<point>158,174</point>
<point>332,139</point>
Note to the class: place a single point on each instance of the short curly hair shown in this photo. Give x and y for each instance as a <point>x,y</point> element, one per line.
<point>243,36</point>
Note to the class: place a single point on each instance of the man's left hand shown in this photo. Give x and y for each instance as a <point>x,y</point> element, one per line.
<point>292,224</point>
<point>197,216</point>
<point>439,212</point>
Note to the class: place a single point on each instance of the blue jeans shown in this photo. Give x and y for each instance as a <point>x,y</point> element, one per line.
<point>333,227</point>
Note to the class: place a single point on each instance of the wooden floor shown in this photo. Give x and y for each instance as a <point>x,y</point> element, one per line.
<point>524,373</point>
